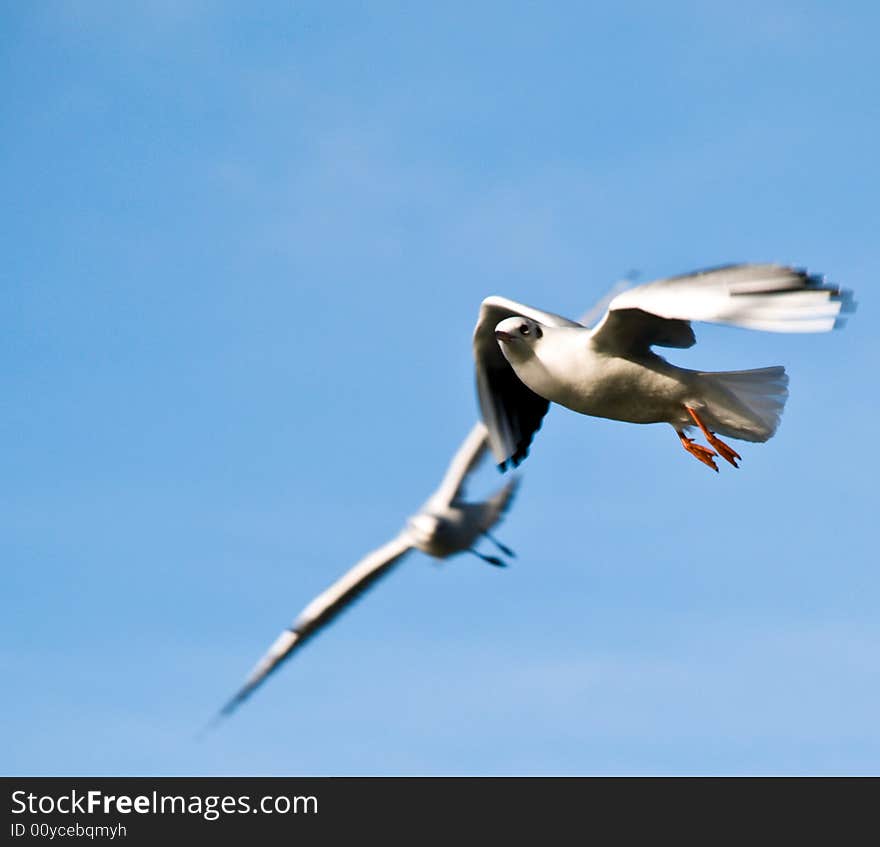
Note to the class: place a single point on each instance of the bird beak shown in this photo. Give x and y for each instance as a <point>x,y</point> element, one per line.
<point>501,335</point>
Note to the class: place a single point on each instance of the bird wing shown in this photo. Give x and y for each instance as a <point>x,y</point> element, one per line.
<point>767,297</point>
<point>493,509</point>
<point>511,411</point>
<point>597,310</point>
<point>465,460</point>
<point>326,606</point>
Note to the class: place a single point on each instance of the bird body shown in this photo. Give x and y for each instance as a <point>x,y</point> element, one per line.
<point>567,367</point>
<point>457,527</point>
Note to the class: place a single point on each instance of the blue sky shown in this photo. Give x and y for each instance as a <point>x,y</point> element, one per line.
<point>243,252</point>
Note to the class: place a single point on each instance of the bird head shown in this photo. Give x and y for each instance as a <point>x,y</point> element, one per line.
<point>517,336</point>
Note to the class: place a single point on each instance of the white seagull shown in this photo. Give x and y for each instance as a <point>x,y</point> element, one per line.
<point>446,525</point>
<point>526,358</point>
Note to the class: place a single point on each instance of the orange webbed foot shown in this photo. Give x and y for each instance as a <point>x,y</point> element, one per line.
<point>724,450</point>
<point>703,454</point>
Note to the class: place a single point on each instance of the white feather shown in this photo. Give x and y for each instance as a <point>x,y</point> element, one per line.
<point>772,298</point>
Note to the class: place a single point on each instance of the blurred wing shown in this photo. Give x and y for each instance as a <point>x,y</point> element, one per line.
<point>324,608</point>
<point>597,310</point>
<point>493,509</point>
<point>767,297</point>
<point>511,411</point>
<point>465,460</point>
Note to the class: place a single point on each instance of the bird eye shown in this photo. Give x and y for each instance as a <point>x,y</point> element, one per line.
<point>538,331</point>
<point>524,329</point>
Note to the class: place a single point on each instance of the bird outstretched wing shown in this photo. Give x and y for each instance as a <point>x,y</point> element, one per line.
<point>323,609</point>
<point>465,460</point>
<point>769,297</point>
<point>495,507</point>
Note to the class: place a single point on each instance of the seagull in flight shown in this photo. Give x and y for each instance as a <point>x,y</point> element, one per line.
<point>527,358</point>
<point>446,525</point>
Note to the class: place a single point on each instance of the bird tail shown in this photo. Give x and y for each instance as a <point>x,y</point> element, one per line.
<point>744,404</point>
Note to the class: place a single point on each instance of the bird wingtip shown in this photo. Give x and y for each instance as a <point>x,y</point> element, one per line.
<point>211,725</point>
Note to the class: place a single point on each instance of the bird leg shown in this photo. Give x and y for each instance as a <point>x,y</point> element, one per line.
<point>502,547</point>
<point>724,450</point>
<point>704,454</point>
<point>492,560</point>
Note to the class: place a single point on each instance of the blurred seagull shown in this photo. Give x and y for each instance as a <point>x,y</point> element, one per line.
<point>526,358</point>
<point>446,525</point>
